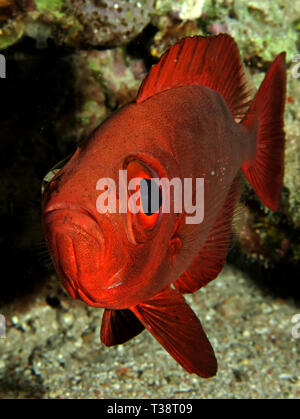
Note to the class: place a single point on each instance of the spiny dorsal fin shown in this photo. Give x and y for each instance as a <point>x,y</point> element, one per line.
<point>212,256</point>
<point>212,61</point>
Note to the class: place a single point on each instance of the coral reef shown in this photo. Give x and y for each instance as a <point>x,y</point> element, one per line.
<point>75,22</point>
<point>103,81</point>
<point>110,22</point>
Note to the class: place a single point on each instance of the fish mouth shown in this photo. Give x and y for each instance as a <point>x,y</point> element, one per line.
<point>81,256</point>
<point>71,206</point>
<point>75,215</point>
<point>76,244</point>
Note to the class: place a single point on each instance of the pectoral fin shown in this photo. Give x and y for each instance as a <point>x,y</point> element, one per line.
<point>173,323</point>
<point>211,258</point>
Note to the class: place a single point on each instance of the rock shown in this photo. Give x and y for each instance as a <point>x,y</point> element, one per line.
<point>183,9</point>
<point>76,23</point>
<point>112,22</point>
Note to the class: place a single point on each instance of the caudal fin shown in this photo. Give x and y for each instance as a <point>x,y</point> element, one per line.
<point>265,170</point>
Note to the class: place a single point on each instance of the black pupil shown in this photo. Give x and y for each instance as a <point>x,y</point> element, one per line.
<point>151,196</point>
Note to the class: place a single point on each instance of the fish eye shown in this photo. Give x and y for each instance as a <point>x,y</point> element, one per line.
<point>150,198</point>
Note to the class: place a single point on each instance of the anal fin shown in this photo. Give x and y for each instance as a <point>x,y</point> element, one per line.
<point>211,258</point>
<point>176,327</point>
<point>119,326</point>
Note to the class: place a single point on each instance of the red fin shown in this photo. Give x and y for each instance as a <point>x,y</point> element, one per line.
<point>212,61</point>
<point>118,326</point>
<point>173,323</point>
<point>265,171</point>
<point>210,260</point>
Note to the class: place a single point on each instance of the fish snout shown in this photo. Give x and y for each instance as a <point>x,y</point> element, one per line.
<point>76,244</point>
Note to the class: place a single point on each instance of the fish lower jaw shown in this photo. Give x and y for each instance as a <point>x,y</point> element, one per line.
<point>109,299</point>
<point>105,299</point>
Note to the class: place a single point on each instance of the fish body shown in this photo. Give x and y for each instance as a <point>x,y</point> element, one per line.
<point>161,143</point>
<point>191,120</point>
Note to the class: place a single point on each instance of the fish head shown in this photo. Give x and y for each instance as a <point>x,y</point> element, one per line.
<point>113,257</point>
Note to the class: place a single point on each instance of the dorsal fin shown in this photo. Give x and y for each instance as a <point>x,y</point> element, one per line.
<point>212,61</point>
<point>212,256</point>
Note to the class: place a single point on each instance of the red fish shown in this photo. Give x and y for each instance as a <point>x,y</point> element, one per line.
<point>192,118</point>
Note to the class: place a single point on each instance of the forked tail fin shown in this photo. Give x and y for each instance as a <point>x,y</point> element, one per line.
<point>265,170</point>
